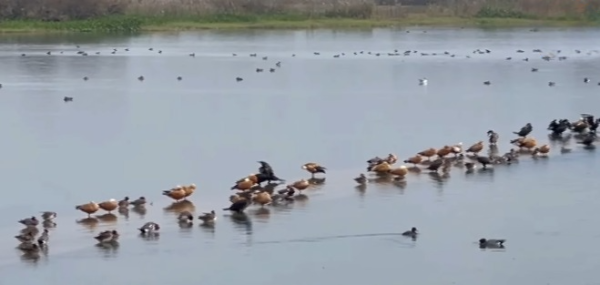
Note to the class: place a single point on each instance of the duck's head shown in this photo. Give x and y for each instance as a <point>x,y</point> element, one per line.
<point>490,132</point>
<point>482,241</point>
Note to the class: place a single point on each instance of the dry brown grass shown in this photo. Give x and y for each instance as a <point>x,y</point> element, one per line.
<point>60,10</point>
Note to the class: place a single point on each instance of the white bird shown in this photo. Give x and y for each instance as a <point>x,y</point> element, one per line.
<point>423,81</point>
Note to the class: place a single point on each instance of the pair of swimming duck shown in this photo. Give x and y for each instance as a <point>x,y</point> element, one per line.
<point>186,217</point>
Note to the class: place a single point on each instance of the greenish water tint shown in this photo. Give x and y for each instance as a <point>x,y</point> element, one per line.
<point>122,137</point>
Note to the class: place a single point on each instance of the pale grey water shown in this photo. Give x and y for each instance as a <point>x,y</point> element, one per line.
<point>124,137</point>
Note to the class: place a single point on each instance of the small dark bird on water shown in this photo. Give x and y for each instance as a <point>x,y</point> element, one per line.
<point>435,165</point>
<point>484,160</point>
<point>491,243</point>
<point>412,233</point>
<point>238,206</point>
<point>68,99</point>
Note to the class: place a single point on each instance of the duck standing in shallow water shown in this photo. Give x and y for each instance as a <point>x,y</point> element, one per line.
<point>33,221</point>
<point>88,208</point>
<point>361,179</point>
<point>313,168</point>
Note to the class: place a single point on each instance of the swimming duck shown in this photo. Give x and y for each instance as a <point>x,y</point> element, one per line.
<point>139,202</point>
<point>476,148</point>
<point>313,168</point>
<point>442,152</point>
<point>428,153</point>
<point>68,99</point>
<point>492,137</point>
<point>263,198</point>
<point>48,216</point>
<point>423,81</point>
<point>414,160</point>
<point>29,247</point>
<point>149,227</point>
<point>185,217</point>
<point>361,179</point>
<point>300,185</point>
<point>208,217</point>
<point>238,206</point>
<point>105,236</point>
<point>543,150</point>
<point>124,202</point>
<point>491,243</point>
<point>189,190</point>
<point>33,221</point>
<point>400,171</point>
<point>411,233</point>
<point>176,193</point>
<point>44,238</point>
<point>524,131</point>
<point>26,237</point>
<point>109,205</point>
<point>88,208</point>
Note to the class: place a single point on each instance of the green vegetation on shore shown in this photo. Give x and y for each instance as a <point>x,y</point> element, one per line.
<point>170,15</point>
<point>139,24</point>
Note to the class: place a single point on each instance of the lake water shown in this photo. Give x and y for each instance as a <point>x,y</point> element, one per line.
<point>123,137</point>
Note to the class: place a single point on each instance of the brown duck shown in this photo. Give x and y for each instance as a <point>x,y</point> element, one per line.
<point>109,205</point>
<point>400,171</point>
<point>442,152</point>
<point>245,183</point>
<point>300,185</point>
<point>88,208</point>
<point>525,142</point>
<point>428,153</point>
<point>262,198</point>
<point>189,189</point>
<point>176,193</point>
<point>383,167</point>
<point>414,160</point>
<point>543,150</point>
<point>476,148</point>
<point>313,168</point>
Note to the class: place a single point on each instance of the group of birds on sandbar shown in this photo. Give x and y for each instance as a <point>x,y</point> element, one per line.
<point>251,191</point>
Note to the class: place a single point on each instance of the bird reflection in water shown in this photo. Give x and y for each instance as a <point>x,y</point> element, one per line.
<point>438,179</point>
<point>30,257</point>
<point>89,223</point>
<point>140,210</point>
<point>124,211</point>
<point>109,249</point>
<point>208,227</point>
<point>151,236</point>
<point>262,213</point>
<point>181,206</point>
<point>382,178</point>
<point>400,182</point>
<point>301,200</point>
<point>361,189</point>
<point>107,218</point>
<point>242,222</point>
<point>317,181</point>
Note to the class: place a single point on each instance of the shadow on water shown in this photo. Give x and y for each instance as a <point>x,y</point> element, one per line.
<point>178,207</point>
<point>89,223</point>
<point>108,250</point>
<point>242,222</point>
<point>140,210</point>
<point>107,218</point>
<point>30,258</point>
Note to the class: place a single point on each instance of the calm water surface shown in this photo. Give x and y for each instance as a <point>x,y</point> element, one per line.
<point>124,137</point>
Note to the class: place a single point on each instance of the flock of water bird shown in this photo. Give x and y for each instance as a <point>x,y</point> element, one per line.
<point>548,56</point>
<point>251,191</point>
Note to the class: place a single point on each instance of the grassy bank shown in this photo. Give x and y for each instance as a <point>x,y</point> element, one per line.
<point>140,24</point>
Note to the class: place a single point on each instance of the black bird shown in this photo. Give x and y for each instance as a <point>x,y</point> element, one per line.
<point>238,206</point>
<point>493,137</point>
<point>524,130</point>
<point>265,169</point>
<point>559,127</point>
<point>435,165</point>
<point>484,160</point>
